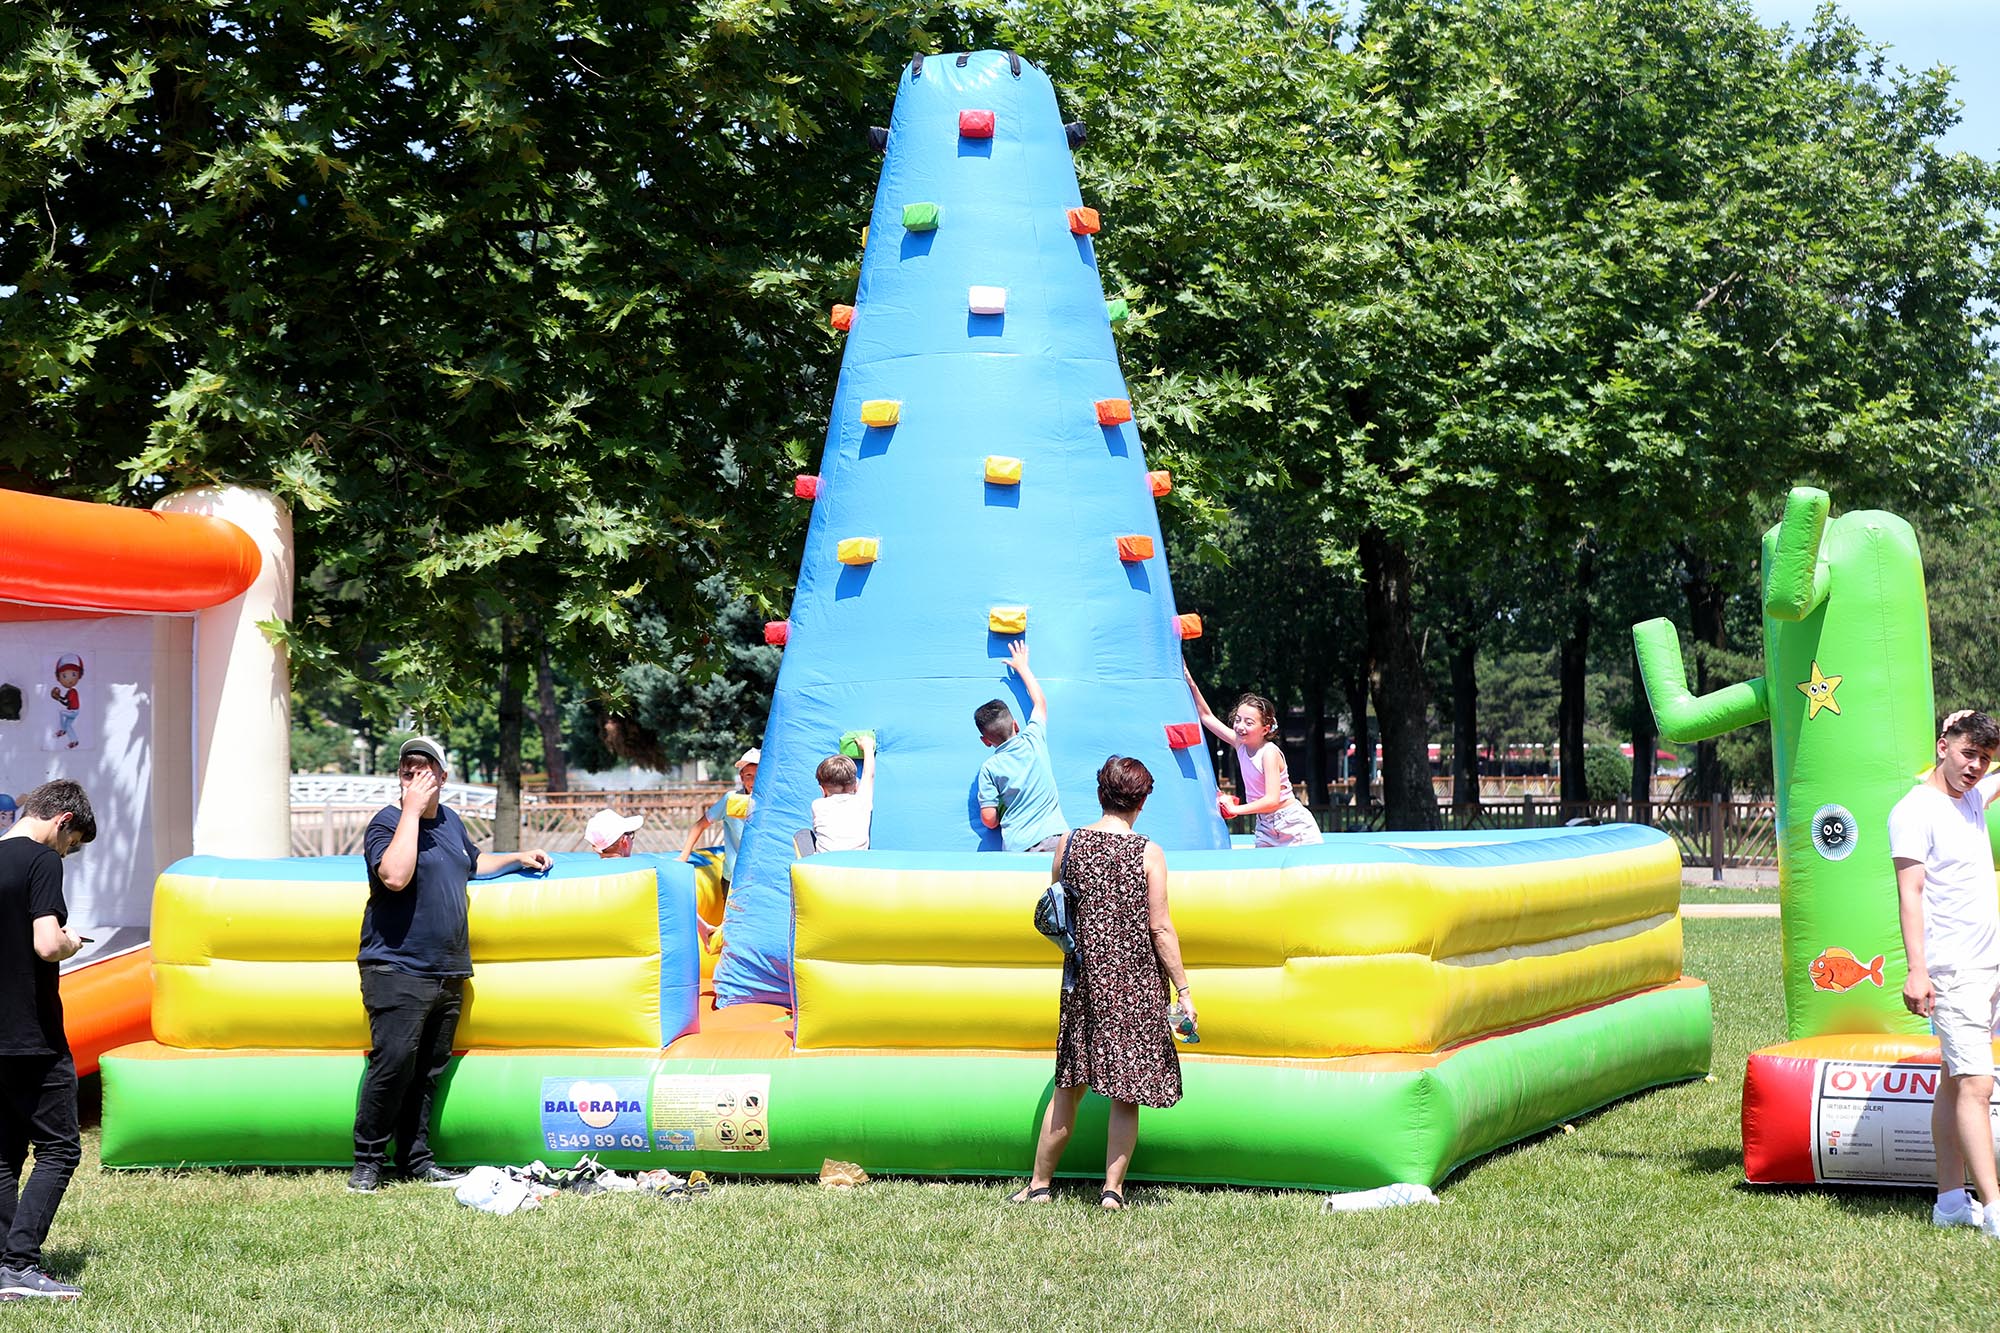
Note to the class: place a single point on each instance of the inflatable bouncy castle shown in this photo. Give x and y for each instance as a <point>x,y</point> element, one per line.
<point>1847,692</point>
<point>1377,1009</point>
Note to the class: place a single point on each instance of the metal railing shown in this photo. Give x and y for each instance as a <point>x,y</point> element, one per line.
<point>552,822</point>
<point>1738,833</point>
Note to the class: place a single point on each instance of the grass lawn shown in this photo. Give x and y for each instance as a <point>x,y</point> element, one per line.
<point>1637,1219</point>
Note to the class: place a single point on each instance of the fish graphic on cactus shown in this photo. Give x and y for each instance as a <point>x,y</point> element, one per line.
<point>1847,692</point>
<point>982,481</point>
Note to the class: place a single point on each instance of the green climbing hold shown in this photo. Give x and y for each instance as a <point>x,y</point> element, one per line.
<point>1117,310</point>
<point>920,217</point>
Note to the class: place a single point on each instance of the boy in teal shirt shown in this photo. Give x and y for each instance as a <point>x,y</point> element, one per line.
<point>1017,788</point>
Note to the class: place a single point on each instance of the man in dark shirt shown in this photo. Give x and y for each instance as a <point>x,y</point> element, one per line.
<point>37,1075</point>
<point>415,957</point>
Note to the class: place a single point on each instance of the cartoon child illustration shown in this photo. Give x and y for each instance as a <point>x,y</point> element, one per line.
<point>69,670</point>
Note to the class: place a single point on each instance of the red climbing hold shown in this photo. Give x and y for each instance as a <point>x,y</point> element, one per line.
<point>1134,547</point>
<point>776,632</point>
<point>843,317</point>
<point>1113,411</point>
<point>806,486</point>
<point>975,124</point>
<point>1161,482</point>
<point>1183,735</point>
<point>1083,221</point>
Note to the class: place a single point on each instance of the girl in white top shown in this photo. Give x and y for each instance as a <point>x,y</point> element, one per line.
<point>1266,781</point>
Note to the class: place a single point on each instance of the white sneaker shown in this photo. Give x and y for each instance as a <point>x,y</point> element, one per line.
<point>1969,1214</point>
<point>1989,1223</point>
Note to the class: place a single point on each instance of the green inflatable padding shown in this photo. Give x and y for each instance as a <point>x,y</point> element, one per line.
<point>1310,1125</point>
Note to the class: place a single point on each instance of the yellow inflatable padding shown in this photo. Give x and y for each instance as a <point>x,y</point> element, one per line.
<point>1301,1008</point>
<point>241,963</point>
<point>1249,917</point>
<point>1007,620</point>
<point>516,917</point>
<point>572,1003</point>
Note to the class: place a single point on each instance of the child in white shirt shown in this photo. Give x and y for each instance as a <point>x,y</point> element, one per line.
<point>846,804</point>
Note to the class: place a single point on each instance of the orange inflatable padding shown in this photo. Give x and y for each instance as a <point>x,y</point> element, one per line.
<point>107,1004</point>
<point>94,557</point>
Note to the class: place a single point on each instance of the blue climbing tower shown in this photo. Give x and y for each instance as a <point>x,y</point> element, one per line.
<point>982,480</point>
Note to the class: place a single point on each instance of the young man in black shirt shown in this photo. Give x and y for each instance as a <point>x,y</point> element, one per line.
<point>37,1075</point>
<point>415,957</point>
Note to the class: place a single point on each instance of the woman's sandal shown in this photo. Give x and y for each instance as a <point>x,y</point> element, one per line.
<point>1111,1201</point>
<point>1031,1194</point>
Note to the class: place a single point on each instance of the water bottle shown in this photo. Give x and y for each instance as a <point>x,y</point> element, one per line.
<point>1182,1022</point>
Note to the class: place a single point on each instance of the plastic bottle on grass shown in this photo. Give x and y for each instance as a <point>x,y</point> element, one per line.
<point>1385,1196</point>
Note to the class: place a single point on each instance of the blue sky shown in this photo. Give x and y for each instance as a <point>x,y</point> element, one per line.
<point>1964,34</point>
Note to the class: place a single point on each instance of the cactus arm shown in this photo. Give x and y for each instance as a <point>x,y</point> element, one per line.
<point>1796,583</point>
<point>1682,716</point>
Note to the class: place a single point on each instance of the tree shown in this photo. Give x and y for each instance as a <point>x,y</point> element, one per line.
<point>521,311</point>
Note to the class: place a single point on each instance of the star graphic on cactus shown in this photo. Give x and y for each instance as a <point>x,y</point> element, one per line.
<point>1819,693</point>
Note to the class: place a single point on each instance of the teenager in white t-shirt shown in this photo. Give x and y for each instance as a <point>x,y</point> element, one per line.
<point>846,805</point>
<point>1951,936</point>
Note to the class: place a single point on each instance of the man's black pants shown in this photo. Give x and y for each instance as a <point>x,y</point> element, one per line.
<point>411,1021</point>
<point>38,1109</point>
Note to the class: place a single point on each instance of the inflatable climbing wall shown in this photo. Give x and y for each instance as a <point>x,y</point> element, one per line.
<point>982,481</point>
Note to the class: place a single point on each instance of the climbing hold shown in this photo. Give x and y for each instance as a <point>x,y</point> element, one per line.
<point>842,317</point>
<point>1187,627</point>
<point>878,138</point>
<point>1161,483</point>
<point>1002,470</point>
<point>1076,132</point>
<point>881,412</point>
<point>776,632</point>
<point>1007,620</point>
<point>920,217</point>
<point>864,236</point>
<point>1116,310</point>
<point>806,486</point>
<point>1183,735</point>
<point>986,300</point>
<point>736,805</point>
<point>975,124</point>
<point>1134,547</point>
<point>1113,411</point>
<point>858,550</point>
<point>1083,221</point>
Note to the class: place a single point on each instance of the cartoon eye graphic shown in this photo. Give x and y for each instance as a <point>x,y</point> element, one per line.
<point>1833,832</point>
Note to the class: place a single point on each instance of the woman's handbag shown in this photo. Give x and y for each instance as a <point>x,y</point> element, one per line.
<point>1055,917</point>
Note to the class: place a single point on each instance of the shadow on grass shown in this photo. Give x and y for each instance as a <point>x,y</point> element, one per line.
<point>67,1262</point>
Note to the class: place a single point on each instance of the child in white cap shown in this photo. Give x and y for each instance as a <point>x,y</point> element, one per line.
<point>610,833</point>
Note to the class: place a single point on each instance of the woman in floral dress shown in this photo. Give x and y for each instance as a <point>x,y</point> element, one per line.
<point>1115,1038</point>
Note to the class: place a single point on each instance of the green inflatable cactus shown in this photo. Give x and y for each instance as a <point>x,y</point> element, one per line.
<point>1847,691</point>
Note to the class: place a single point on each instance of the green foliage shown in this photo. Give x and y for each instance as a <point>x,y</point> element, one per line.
<point>1607,774</point>
<point>519,309</point>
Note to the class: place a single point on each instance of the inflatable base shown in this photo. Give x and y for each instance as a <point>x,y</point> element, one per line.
<point>736,1098</point>
<point>1841,1110</point>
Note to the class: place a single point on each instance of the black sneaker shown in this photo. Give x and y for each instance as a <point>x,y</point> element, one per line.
<point>20,1283</point>
<point>436,1175</point>
<point>365,1179</point>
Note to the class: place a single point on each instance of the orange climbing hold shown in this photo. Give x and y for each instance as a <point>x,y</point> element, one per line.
<point>776,632</point>
<point>1187,627</point>
<point>1083,221</point>
<point>1161,482</point>
<point>843,317</point>
<point>1134,547</point>
<point>975,124</point>
<point>1113,411</point>
<point>1183,735</point>
<point>805,486</point>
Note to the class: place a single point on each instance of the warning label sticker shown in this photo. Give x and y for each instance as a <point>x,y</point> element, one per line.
<point>711,1112</point>
<point>1872,1122</point>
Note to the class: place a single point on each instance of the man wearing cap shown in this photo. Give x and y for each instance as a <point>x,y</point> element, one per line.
<point>732,812</point>
<point>415,957</point>
<point>610,833</point>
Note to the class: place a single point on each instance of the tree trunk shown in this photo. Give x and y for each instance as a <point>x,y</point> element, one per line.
<point>1574,668</point>
<point>1362,771</point>
<point>1315,702</point>
<point>1645,740</point>
<point>507,802</point>
<point>1402,705</point>
<point>1705,614</point>
<point>1465,726</point>
<point>549,721</point>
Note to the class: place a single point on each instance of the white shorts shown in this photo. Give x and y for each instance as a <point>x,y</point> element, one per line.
<point>1290,825</point>
<point>1962,1018</point>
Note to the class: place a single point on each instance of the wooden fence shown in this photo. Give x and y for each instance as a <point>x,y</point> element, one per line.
<point>1717,834</point>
